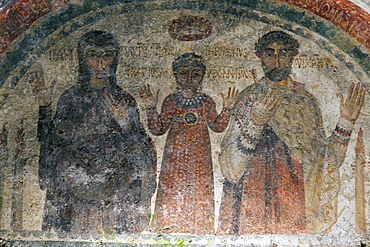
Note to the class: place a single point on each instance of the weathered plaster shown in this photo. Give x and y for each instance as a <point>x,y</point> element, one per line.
<point>329,59</point>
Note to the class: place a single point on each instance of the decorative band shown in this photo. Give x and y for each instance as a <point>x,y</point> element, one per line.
<point>342,131</point>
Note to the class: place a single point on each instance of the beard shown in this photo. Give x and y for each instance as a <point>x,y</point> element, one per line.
<point>276,74</point>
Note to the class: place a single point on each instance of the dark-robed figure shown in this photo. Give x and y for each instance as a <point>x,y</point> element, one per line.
<point>96,161</point>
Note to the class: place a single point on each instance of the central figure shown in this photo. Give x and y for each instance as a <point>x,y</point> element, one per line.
<point>185,199</point>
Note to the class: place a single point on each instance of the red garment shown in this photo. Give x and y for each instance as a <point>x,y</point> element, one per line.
<point>269,198</point>
<point>185,199</point>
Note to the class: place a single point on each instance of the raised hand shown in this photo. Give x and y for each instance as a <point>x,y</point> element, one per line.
<point>263,110</point>
<point>149,99</point>
<point>38,87</point>
<point>351,107</point>
<point>229,100</point>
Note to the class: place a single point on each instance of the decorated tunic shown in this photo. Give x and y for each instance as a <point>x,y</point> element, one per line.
<point>280,178</point>
<point>185,199</point>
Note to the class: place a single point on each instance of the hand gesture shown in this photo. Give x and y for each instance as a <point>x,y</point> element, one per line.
<point>149,99</point>
<point>263,110</point>
<point>115,108</point>
<point>351,107</point>
<point>229,100</point>
<point>38,87</point>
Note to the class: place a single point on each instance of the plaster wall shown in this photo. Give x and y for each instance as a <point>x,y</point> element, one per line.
<point>331,56</point>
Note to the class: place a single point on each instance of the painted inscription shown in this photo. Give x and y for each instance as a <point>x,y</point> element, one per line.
<point>146,72</point>
<point>316,61</point>
<point>62,54</point>
<point>148,49</point>
<point>345,14</point>
<point>226,51</point>
<point>279,172</point>
<point>19,15</point>
<point>232,73</point>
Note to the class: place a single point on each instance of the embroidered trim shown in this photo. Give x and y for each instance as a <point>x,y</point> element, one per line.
<point>247,140</point>
<point>242,111</point>
<point>342,134</point>
<point>342,131</point>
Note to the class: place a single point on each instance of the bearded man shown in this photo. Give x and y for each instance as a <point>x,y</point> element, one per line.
<point>281,171</point>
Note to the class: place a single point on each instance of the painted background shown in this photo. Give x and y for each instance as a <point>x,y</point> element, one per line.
<point>333,53</point>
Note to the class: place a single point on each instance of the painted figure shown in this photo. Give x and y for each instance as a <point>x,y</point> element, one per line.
<point>280,169</point>
<point>96,161</point>
<point>185,199</point>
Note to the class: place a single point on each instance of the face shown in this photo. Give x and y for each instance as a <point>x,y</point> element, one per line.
<point>277,61</point>
<point>189,77</point>
<point>100,61</point>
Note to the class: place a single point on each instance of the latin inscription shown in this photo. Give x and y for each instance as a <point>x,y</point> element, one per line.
<point>19,16</point>
<point>226,51</point>
<point>61,54</point>
<point>155,50</point>
<point>231,73</point>
<point>150,72</point>
<point>317,62</point>
<point>350,21</point>
<point>212,73</point>
<point>148,49</point>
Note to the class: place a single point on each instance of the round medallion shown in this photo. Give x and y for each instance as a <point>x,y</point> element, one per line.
<point>190,118</point>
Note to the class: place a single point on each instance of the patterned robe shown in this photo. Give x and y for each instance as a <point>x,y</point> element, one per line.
<point>185,199</point>
<point>276,177</point>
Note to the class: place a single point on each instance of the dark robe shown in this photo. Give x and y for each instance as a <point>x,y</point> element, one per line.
<point>99,174</point>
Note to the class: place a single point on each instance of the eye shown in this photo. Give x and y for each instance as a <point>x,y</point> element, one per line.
<point>92,54</point>
<point>108,54</point>
<point>197,74</point>
<point>285,52</point>
<point>269,54</point>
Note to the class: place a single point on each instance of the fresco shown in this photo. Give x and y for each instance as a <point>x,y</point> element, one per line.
<point>274,155</point>
<point>185,198</point>
<point>208,119</point>
<point>96,162</point>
